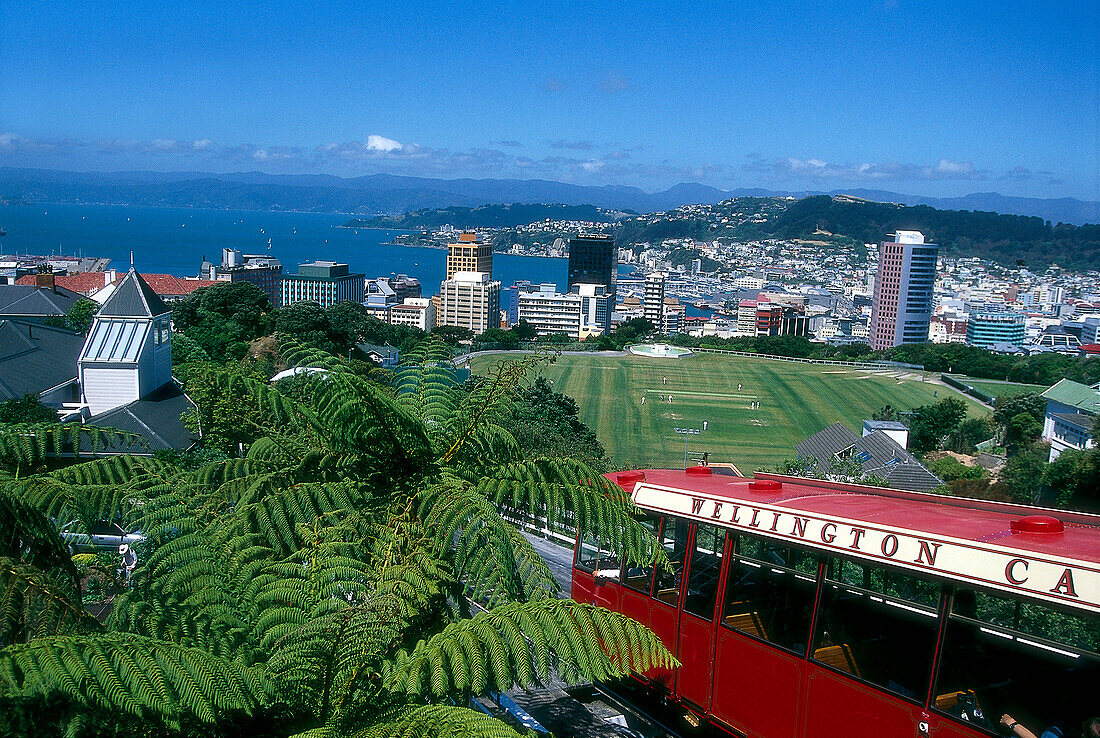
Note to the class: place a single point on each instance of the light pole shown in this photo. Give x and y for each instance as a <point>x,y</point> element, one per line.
<point>687,434</point>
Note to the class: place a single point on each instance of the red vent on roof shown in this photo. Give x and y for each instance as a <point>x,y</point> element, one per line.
<point>1037,524</point>
<point>628,479</point>
<point>698,471</point>
<point>765,485</point>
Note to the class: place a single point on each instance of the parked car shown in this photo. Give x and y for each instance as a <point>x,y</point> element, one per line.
<point>102,535</point>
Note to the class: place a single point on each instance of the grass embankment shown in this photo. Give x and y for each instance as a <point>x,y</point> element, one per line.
<point>796,400</point>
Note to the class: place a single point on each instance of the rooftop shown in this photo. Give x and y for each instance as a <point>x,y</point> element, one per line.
<point>133,298</point>
<point>1084,398</point>
<point>35,357</point>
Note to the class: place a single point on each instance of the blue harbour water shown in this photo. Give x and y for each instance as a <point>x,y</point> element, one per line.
<point>175,240</point>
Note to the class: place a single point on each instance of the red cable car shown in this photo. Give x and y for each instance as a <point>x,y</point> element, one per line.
<point>804,608</point>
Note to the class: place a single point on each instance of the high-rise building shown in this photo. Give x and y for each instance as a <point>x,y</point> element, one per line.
<point>469,300</point>
<point>654,303</point>
<point>470,254</point>
<point>902,304</point>
<point>592,260</point>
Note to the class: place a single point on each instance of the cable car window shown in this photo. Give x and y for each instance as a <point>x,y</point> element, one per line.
<point>674,537</point>
<point>706,568</point>
<point>1007,656</point>
<point>641,577</point>
<point>879,625</point>
<point>770,591</point>
<point>596,555</point>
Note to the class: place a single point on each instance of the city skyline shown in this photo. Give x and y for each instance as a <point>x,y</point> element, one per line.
<point>937,101</point>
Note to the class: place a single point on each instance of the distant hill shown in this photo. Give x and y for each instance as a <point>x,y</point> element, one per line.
<point>389,194</point>
<point>486,216</point>
<point>999,237</point>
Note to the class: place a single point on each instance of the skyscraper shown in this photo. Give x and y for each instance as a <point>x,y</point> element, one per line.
<point>592,261</point>
<point>470,254</point>
<point>902,304</point>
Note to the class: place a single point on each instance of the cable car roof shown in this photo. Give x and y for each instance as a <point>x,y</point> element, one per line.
<point>1049,554</point>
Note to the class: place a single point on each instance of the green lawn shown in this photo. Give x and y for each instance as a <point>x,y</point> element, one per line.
<point>796,400</point>
<point>1001,389</point>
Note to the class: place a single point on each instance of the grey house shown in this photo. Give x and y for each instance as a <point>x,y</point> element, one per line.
<point>875,453</point>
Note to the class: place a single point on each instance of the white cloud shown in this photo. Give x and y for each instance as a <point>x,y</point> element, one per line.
<point>383,144</point>
<point>202,144</point>
<point>592,166</point>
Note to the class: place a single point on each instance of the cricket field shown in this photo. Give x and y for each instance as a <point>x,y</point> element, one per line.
<point>754,410</point>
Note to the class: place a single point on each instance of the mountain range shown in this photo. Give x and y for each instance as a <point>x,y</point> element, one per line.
<point>387,194</point>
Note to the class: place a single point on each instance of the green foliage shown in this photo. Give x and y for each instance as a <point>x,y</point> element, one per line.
<point>1074,479</point>
<point>1023,473</point>
<point>948,468</point>
<point>321,584</point>
<point>223,318</point>
<point>1003,238</point>
<point>26,446</point>
<point>931,425</point>
<point>452,334</point>
<point>546,423</point>
<point>26,410</point>
<point>515,645</point>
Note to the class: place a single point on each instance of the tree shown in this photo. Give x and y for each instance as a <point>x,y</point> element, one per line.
<point>307,322</point>
<point>453,334</point>
<point>1007,408</point>
<point>1021,431</point>
<point>1023,473</point>
<point>547,423</point>
<point>524,331</point>
<point>26,409</point>
<point>885,413</point>
<point>930,425</point>
<point>948,468</point>
<point>1074,479</point>
<point>322,585</point>
<point>224,317</point>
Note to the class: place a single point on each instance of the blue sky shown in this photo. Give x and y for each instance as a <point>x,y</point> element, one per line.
<point>925,98</point>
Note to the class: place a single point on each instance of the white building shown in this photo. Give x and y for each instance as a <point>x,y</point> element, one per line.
<point>469,300</point>
<point>550,312</point>
<point>418,312</point>
<point>128,352</point>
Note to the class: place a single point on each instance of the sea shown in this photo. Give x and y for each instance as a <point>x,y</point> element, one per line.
<point>177,240</point>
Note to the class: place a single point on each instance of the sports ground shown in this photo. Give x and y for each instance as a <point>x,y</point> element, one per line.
<point>794,401</point>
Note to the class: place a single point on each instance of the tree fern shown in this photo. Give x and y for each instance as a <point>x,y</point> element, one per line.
<point>519,644</point>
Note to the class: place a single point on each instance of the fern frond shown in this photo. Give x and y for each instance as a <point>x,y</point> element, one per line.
<point>494,560</point>
<point>149,679</point>
<point>24,446</point>
<point>36,604</point>
<point>519,643</point>
<point>430,721</point>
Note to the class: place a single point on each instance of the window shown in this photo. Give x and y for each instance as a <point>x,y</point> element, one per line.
<point>674,538</point>
<point>770,591</point>
<point>641,577</point>
<point>1035,662</point>
<point>879,625</point>
<point>593,555</point>
<point>706,568</point>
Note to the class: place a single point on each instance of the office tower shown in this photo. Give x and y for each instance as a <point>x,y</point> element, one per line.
<point>902,304</point>
<point>323,282</point>
<point>985,329</point>
<point>593,261</point>
<point>653,306</point>
<point>471,254</point>
<point>469,300</point>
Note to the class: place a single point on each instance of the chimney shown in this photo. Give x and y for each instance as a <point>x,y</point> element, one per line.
<point>45,280</point>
